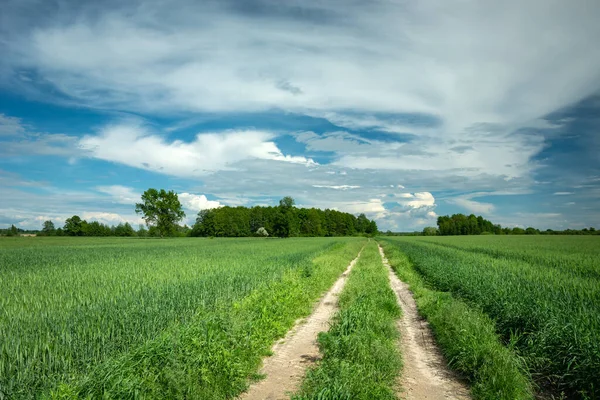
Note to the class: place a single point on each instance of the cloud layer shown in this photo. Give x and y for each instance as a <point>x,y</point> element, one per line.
<point>455,100</point>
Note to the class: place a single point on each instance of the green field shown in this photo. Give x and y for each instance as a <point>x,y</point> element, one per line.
<point>152,318</point>
<point>192,318</point>
<point>542,293</point>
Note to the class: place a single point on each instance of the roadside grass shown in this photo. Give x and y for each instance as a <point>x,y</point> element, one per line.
<point>217,351</point>
<point>360,352</point>
<point>466,336</point>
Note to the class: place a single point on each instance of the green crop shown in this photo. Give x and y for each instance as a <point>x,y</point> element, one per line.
<point>127,318</point>
<point>548,311</point>
<point>467,338</point>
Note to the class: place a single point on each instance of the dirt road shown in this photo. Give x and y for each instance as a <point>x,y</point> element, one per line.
<point>425,374</point>
<point>293,354</point>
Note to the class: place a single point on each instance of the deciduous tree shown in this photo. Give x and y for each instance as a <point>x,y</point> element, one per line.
<point>161,210</point>
<point>74,226</point>
<point>48,228</point>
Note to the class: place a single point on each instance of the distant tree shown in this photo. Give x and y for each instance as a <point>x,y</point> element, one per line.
<point>285,222</point>
<point>430,231</point>
<point>460,224</point>
<point>95,228</point>
<point>286,203</point>
<point>362,223</point>
<point>74,226</point>
<point>59,232</point>
<point>205,223</point>
<point>281,224</point>
<point>12,231</point>
<point>518,231</point>
<point>48,228</point>
<point>372,228</point>
<point>124,230</point>
<point>183,231</point>
<point>262,232</point>
<point>531,231</point>
<point>161,210</point>
<point>142,231</point>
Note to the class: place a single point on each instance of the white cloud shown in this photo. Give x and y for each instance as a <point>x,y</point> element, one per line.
<point>418,200</point>
<point>472,206</point>
<point>121,194</point>
<point>127,195</point>
<point>10,126</point>
<point>110,218</point>
<point>196,202</point>
<point>449,75</point>
<point>370,207</point>
<point>562,193</point>
<point>133,145</point>
<point>30,220</point>
<point>452,59</point>
<point>337,187</point>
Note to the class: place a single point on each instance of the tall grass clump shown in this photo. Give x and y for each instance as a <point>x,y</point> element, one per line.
<point>550,316</point>
<point>360,355</point>
<point>466,337</point>
<point>153,318</point>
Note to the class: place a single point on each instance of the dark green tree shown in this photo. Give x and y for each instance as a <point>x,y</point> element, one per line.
<point>74,226</point>
<point>372,228</point>
<point>12,231</point>
<point>284,220</point>
<point>142,231</point>
<point>285,223</point>
<point>48,228</point>
<point>430,231</point>
<point>124,230</point>
<point>161,210</point>
<point>287,203</point>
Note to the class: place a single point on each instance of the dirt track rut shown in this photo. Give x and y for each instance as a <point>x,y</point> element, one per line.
<point>425,374</point>
<point>293,354</point>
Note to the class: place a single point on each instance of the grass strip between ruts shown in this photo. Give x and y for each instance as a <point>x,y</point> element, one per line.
<point>361,359</point>
<point>467,338</point>
<point>214,356</point>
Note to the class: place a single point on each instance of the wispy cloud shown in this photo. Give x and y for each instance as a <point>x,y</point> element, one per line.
<point>395,55</point>
<point>337,187</point>
<point>472,206</point>
<point>437,95</point>
<point>10,125</point>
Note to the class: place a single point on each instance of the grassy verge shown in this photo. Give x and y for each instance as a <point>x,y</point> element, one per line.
<point>214,355</point>
<point>467,338</point>
<point>360,355</point>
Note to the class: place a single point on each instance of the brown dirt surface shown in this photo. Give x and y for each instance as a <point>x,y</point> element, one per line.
<point>425,374</point>
<point>298,350</point>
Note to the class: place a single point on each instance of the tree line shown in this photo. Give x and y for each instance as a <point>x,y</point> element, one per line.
<point>162,212</point>
<point>75,226</point>
<point>284,220</point>
<point>460,224</point>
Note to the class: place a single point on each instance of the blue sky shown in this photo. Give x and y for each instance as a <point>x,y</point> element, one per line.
<point>404,110</point>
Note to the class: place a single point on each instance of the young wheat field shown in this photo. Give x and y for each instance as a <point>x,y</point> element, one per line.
<point>517,316</point>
